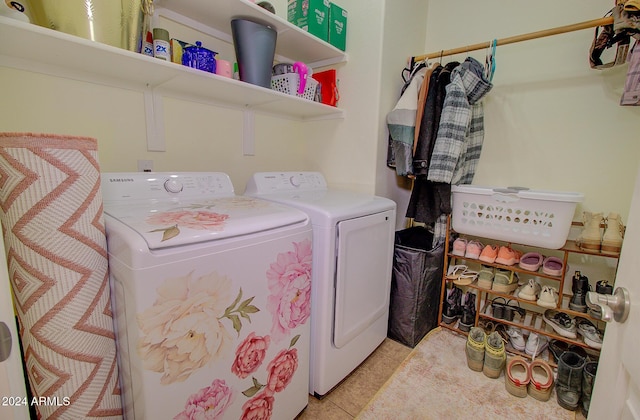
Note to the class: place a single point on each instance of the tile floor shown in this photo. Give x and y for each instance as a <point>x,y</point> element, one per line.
<point>346,400</point>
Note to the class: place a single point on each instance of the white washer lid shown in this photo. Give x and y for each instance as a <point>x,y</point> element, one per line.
<point>168,224</point>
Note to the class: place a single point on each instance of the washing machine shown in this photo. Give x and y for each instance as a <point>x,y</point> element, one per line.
<point>210,297</point>
<point>353,236</point>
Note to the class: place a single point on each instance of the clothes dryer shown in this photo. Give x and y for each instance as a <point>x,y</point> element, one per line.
<point>353,236</point>
<point>210,297</point>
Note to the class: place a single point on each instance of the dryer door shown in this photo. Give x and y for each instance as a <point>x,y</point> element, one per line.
<point>363,274</point>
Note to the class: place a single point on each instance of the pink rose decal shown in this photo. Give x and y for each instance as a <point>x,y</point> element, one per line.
<point>259,407</point>
<point>281,369</point>
<point>289,281</point>
<point>250,355</point>
<point>209,403</point>
<point>201,220</point>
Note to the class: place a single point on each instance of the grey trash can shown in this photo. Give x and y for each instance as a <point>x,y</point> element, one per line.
<point>415,286</point>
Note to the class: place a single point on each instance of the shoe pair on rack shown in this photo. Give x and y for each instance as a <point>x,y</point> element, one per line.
<point>459,305</point>
<point>592,239</point>
<point>467,249</point>
<point>534,345</point>
<point>523,378</point>
<point>485,353</point>
<point>569,327</point>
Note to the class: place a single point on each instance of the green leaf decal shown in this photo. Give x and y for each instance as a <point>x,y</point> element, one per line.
<point>294,340</point>
<point>242,311</point>
<point>250,392</point>
<point>170,232</point>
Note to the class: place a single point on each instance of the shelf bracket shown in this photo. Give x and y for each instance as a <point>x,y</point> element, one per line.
<point>154,113</point>
<point>248,132</point>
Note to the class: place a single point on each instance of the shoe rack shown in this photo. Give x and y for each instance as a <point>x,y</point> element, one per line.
<point>533,319</point>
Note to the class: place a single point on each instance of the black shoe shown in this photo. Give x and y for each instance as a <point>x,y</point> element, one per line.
<point>468,318</point>
<point>452,305</point>
<point>580,289</point>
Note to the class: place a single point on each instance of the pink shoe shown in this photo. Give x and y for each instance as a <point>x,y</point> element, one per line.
<point>531,261</point>
<point>552,266</point>
<point>489,254</point>
<point>459,247</point>
<point>474,248</point>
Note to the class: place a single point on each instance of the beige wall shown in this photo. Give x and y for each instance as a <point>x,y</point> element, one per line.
<point>551,122</point>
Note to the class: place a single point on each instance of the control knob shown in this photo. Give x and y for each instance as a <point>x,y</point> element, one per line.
<point>173,186</point>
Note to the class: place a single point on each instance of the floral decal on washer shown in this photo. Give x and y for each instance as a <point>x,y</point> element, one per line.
<point>289,281</point>
<point>208,403</point>
<point>192,219</point>
<point>184,330</point>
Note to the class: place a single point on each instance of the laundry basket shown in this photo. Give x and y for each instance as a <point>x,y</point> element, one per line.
<point>415,285</point>
<point>520,215</point>
<point>290,82</point>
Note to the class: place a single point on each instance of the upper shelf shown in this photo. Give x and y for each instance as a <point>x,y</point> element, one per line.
<point>293,42</point>
<point>43,50</point>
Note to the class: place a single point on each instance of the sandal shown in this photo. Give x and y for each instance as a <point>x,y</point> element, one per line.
<point>510,310</point>
<point>455,271</point>
<point>466,278</point>
<point>552,266</point>
<point>498,308</point>
<point>531,261</point>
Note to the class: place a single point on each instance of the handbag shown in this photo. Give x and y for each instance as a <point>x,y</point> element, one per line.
<point>328,87</point>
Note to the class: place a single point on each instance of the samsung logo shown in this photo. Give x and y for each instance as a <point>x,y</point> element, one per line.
<point>121,180</point>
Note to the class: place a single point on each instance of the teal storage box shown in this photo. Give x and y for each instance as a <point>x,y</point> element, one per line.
<point>310,15</point>
<point>337,27</point>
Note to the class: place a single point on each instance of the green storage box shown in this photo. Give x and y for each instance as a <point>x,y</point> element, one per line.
<point>310,15</point>
<point>337,27</point>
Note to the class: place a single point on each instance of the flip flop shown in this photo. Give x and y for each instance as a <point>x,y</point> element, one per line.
<point>466,278</point>
<point>455,271</point>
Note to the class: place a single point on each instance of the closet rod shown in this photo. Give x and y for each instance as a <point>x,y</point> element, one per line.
<point>518,38</point>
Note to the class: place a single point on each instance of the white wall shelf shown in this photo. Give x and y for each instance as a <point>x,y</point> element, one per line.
<point>34,48</point>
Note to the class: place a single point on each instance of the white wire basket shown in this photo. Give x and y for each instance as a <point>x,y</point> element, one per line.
<point>288,83</point>
<point>523,216</point>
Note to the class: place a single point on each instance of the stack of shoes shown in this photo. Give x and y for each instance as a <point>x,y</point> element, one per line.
<point>535,378</point>
<point>561,323</point>
<point>485,353</point>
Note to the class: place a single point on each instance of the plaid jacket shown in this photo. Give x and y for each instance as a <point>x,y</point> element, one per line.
<point>461,131</point>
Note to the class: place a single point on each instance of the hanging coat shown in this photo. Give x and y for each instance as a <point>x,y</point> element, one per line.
<point>461,131</point>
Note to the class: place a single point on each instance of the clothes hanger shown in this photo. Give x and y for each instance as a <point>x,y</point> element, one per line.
<point>490,61</point>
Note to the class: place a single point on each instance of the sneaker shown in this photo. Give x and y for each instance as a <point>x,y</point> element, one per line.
<point>474,349</point>
<point>489,254</point>
<point>531,261</point>
<point>474,249</point>
<point>459,247</point>
<point>530,291</point>
<point>590,334</point>
<point>548,297</point>
<point>485,277</point>
<point>504,281</point>
<point>468,318</point>
<point>508,256</point>
<point>494,355</point>
<point>516,338</point>
<point>562,323</point>
<point>536,344</point>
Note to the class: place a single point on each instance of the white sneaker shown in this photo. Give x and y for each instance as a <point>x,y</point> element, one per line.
<point>529,291</point>
<point>516,338</point>
<point>548,297</point>
<point>536,344</point>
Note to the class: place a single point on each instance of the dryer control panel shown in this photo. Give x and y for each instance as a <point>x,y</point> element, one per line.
<point>123,186</point>
<point>270,182</point>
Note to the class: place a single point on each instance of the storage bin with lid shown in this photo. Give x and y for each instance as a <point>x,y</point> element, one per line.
<point>528,217</point>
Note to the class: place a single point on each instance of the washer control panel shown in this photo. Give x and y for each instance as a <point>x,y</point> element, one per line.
<point>270,182</point>
<point>119,186</point>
